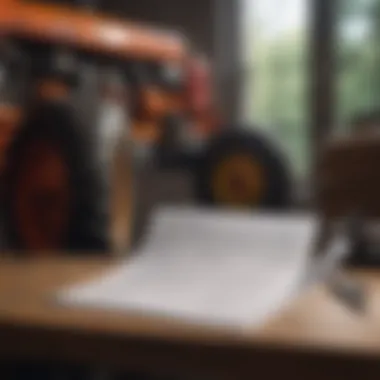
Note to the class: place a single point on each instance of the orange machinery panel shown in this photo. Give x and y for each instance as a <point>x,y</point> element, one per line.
<point>63,25</point>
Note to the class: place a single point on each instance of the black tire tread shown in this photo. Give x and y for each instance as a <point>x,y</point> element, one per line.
<point>89,216</point>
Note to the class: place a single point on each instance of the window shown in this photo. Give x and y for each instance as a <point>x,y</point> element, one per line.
<point>358,59</point>
<point>275,59</point>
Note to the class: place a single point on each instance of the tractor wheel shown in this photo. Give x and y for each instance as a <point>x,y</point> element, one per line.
<point>243,169</point>
<point>61,191</point>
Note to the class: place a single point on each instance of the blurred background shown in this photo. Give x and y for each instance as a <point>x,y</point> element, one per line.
<point>268,55</point>
<point>265,57</point>
<point>298,70</point>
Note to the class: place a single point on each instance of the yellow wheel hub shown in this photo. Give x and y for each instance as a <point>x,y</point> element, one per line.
<point>238,181</point>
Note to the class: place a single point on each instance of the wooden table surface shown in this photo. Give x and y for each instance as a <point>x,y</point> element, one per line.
<point>313,337</point>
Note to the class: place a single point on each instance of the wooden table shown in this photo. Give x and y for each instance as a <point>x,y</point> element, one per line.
<point>313,338</point>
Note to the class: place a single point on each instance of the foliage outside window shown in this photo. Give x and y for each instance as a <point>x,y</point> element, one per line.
<point>358,59</point>
<point>275,58</point>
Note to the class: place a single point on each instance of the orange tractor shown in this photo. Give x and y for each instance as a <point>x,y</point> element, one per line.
<point>76,90</point>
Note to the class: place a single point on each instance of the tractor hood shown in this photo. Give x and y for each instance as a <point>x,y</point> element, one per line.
<point>88,31</point>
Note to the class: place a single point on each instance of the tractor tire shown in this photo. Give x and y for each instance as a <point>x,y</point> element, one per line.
<point>243,169</point>
<point>59,186</point>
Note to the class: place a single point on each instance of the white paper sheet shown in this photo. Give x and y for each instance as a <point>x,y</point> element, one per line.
<point>207,267</point>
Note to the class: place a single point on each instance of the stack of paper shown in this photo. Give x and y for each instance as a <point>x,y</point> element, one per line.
<point>207,267</point>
